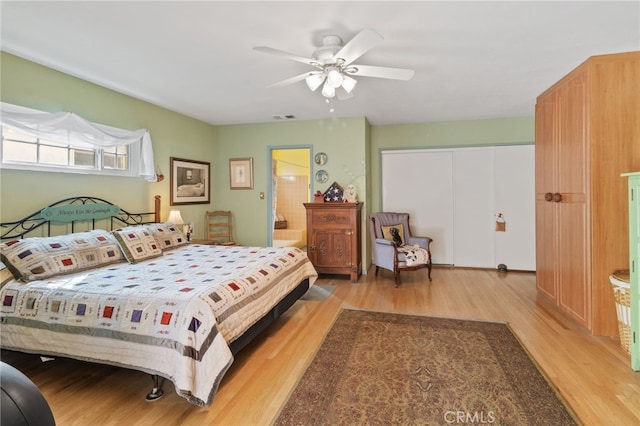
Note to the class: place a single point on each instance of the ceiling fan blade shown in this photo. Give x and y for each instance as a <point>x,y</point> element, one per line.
<point>292,80</point>
<point>282,53</point>
<point>382,72</point>
<point>359,45</point>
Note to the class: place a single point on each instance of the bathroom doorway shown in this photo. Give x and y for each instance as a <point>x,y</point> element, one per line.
<point>290,188</point>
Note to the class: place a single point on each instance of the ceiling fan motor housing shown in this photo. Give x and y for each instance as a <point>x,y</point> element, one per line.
<point>331,44</point>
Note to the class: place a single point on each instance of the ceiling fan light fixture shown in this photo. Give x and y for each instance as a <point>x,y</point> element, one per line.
<point>314,81</point>
<point>348,83</point>
<point>328,91</point>
<point>334,77</point>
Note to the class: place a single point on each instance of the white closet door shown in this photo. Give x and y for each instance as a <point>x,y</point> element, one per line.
<point>514,188</point>
<point>474,223</point>
<point>420,182</point>
<point>454,196</point>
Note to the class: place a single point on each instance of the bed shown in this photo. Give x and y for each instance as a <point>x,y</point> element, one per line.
<point>136,294</point>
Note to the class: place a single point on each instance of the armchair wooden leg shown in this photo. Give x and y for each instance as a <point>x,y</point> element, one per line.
<point>376,270</point>
<point>429,270</point>
<point>397,277</point>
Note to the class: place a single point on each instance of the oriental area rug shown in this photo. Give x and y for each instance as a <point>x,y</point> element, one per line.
<point>377,368</point>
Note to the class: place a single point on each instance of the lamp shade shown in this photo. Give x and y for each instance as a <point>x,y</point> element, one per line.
<point>175,217</point>
<point>334,77</point>
<point>328,91</point>
<point>314,81</point>
<point>348,83</point>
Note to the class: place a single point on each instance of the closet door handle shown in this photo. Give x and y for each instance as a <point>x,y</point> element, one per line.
<point>548,196</point>
<point>557,197</point>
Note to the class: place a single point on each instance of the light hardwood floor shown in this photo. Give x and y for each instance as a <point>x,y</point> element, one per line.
<point>592,374</point>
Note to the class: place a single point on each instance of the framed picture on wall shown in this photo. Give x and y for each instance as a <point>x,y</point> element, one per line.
<point>241,173</point>
<point>190,181</point>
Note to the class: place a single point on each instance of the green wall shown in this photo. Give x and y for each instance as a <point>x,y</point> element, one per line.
<point>352,145</point>
<point>341,139</point>
<point>28,84</point>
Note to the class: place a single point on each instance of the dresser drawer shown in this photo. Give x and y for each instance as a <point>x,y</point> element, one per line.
<point>331,217</point>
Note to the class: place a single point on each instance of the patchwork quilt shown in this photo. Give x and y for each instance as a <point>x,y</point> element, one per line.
<point>172,315</point>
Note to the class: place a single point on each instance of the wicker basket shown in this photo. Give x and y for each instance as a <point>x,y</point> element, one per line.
<point>281,224</point>
<point>622,294</point>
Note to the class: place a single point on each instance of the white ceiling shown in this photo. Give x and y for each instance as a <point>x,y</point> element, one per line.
<point>472,60</point>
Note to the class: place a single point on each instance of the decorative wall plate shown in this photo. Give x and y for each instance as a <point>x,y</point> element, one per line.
<point>334,194</point>
<point>322,176</point>
<point>321,158</point>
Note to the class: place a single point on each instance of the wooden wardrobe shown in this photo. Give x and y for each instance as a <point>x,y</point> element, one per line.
<point>587,130</point>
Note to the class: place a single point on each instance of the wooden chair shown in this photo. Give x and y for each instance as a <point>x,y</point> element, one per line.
<point>220,228</point>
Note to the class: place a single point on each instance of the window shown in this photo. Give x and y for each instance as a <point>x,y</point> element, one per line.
<point>23,151</point>
<point>35,140</point>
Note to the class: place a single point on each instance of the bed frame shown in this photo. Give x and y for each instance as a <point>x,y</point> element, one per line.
<point>77,212</point>
<point>41,219</point>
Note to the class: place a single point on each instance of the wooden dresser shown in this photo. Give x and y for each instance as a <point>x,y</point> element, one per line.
<point>334,238</point>
<point>587,133</point>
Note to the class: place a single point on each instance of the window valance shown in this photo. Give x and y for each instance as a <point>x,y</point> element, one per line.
<point>67,127</point>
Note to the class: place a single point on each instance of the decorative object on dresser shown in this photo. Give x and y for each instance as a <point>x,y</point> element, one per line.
<point>587,133</point>
<point>334,238</point>
<point>189,182</point>
<point>136,294</point>
<point>334,194</point>
<point>350,194</point>
<point>395,248</point>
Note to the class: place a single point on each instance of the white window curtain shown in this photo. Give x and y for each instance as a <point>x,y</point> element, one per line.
<point>67,126</point>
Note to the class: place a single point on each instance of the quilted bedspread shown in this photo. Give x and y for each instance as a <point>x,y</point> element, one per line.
<point>173,316</point>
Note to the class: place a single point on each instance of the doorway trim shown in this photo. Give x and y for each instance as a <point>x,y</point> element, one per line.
<point>269,196</point>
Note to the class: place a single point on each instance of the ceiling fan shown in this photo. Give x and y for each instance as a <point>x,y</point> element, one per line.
<point>334,64</point>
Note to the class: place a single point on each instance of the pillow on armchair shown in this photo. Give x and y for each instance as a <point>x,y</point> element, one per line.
<point>394,233</point>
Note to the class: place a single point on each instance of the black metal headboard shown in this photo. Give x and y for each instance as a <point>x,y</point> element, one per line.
<point>75,210</point>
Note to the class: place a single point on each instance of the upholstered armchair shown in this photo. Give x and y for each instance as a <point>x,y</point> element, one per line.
<point>397,256</point>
